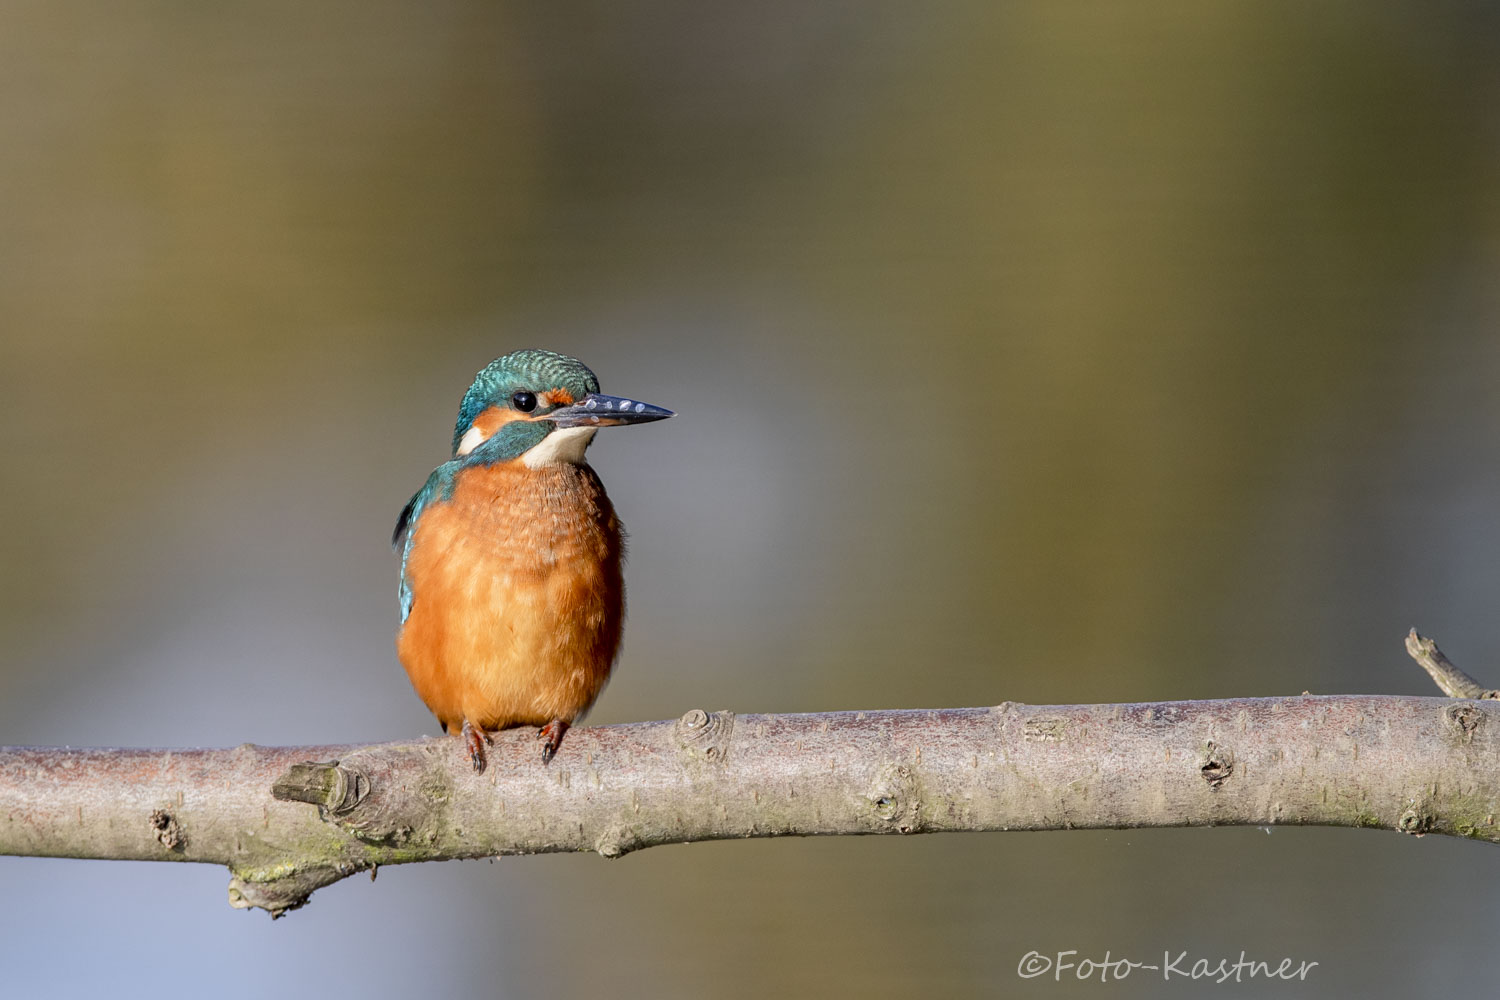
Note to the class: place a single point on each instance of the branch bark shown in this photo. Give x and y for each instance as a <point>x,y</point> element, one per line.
<point>289,820</point>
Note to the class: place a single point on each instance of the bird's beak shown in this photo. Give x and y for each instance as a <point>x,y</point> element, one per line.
<point>599,410</point>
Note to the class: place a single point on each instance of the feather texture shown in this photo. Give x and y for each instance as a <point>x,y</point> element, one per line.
<point>512,596</point>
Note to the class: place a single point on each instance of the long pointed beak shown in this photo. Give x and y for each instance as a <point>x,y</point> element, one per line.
<point>599,410</point>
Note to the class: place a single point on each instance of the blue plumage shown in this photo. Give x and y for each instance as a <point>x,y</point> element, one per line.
<point>518,370</point>
<point>439,485</point>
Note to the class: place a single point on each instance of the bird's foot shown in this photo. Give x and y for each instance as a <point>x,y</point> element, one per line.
<point>475,740</point>
<point>550,736</point>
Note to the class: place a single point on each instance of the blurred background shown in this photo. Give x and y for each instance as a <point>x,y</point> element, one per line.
<point>1042,352</point>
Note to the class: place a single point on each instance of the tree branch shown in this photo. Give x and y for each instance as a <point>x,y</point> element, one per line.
<point>289,820</point>
<point>1453,681</point>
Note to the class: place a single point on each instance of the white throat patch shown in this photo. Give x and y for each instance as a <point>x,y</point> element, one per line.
<point>473,438</point>
<point>566,444</point>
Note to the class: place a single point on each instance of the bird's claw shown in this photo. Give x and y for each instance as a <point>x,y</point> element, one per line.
<point>475,740</point>
<point>550,736</point>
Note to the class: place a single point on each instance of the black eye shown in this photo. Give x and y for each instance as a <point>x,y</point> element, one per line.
<point>524,401</point>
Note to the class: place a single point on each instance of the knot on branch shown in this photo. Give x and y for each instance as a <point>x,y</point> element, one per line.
<point>1217,766</point>
<point>284,889</point>
<point>333,788</point>
<point>382,797</point>
<point>168,831</point>
<point>895,798</point>
<point>706,734</point>
<point>1416,820</point>
<point>617,841</point>
<point>1463,720</point>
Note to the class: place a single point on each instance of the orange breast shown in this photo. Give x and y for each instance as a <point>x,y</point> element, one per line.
<point>518,600</point>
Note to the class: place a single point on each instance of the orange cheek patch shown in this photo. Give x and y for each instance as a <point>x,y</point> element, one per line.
<point>494,418</point>
<point>485,425</point>
<point>558,397</point>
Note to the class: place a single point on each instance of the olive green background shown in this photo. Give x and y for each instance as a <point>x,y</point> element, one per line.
<point>1045,352</point>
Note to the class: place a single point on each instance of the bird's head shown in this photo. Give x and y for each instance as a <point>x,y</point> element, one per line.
<point>539,407</point>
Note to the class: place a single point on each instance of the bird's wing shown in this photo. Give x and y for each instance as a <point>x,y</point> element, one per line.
<point>439,486</point>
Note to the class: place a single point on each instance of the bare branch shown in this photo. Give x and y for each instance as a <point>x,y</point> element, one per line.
<point>289,820</point>
<point>1453,681</point>
<point>1413,764</point>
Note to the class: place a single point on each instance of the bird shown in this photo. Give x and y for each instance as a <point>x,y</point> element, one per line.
<point>512,596</point>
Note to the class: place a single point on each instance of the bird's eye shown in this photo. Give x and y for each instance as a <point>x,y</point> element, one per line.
<point>524,401</point>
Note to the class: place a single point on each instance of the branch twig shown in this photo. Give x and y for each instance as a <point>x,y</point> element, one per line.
<point>1452,681</point>
<point>288,821</point>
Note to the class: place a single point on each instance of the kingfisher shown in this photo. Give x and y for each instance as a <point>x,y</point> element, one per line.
<point>512,598</point>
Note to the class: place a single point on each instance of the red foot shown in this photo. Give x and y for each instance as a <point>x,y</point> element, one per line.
<point>475,739</point>
<point>551,736</point>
